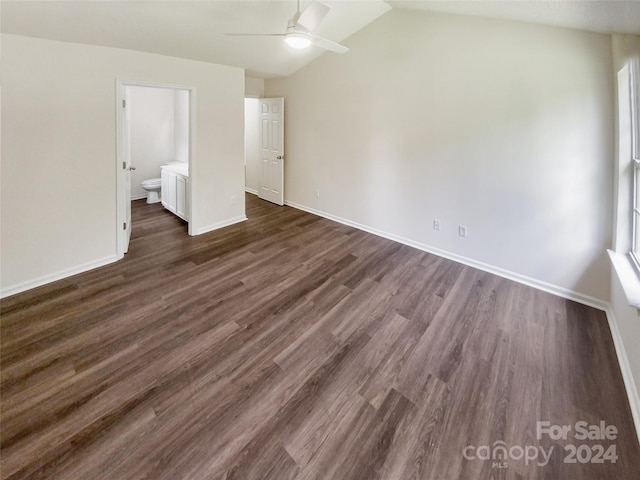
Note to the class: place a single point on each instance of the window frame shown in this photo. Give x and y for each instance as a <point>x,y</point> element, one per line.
<point>634,90</point>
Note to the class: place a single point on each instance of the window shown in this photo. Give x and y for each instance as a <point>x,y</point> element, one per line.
<point>625,255</point>
<point>634,92</point>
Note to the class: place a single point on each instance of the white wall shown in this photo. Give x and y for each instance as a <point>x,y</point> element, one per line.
<point>152,133</point>
<point>59,151</point>
<point>181,125</point>
<point>627,321</point>
<point>251,144</point>
<point>159,131</point>
<point>253,87</point>
<point>503,127</point>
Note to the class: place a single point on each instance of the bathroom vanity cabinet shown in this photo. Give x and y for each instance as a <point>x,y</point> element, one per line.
<point>175,179</point>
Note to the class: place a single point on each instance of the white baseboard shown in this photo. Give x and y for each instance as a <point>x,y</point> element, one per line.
<point>38,282</point>
<point>623,360</point>
<point>216,226</point>
<point>140,196</point>
<point>251,190</point>
<point>21,287</point>
<point>625,368</point>
<point>516,277</point>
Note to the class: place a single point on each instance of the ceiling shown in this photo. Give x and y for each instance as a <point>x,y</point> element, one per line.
<point>601,16</point>
<point>189,29</point>
<point>196,29</point>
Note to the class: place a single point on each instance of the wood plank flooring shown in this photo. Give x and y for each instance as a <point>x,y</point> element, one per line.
<point>293,347</point>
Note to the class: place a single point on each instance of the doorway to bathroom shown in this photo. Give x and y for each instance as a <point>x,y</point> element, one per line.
<point>155,129</point>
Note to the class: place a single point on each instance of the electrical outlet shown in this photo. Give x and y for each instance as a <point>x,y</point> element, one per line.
<point>317,192</point>
<point>436,224</point>
<point>462,231</point>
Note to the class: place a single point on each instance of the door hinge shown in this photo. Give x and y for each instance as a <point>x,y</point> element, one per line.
<point>124,104</point>
<point>124,226</point>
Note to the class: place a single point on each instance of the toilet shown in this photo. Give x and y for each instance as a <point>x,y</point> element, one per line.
<point>152,187</point>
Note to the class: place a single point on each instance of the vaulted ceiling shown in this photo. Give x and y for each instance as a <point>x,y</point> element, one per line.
<point>196,29</point>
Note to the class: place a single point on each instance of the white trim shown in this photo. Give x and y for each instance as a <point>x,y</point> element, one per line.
<point>121,205</point>
<point>38,282</point>
<point>140,196</point>
<point>516,277</point>
<point>193,130</point>
<point>251,190</point>
<point>217,225</point>
<point>628,277</point>
<point>625,369</point>
<point>634,80</point>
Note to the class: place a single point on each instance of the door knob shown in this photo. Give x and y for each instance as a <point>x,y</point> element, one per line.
<point>132,168</point>
<point>279,157</point>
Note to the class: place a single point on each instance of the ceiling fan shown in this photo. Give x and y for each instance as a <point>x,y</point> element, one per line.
<point>299,33</point>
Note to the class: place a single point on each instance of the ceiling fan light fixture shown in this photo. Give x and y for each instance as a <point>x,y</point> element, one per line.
<point>301,27</point>
<point>298,41</point>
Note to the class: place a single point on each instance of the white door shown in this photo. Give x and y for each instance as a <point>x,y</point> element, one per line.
<point>127,167</point>
<point>272,150</point>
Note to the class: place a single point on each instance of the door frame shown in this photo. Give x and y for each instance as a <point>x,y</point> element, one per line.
<point>121,153</point>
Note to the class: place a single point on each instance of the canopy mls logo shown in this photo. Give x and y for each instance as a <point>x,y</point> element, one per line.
<point>499,453</point>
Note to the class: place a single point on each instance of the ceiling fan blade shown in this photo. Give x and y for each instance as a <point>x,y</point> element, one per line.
<point>329,45</point>
<point>255,34</point>
<point>311,17</point>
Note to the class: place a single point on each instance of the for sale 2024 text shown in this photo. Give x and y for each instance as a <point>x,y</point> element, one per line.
<point>584,432</point>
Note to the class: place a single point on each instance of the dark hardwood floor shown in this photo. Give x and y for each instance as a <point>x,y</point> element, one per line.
<point>292,347</point>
